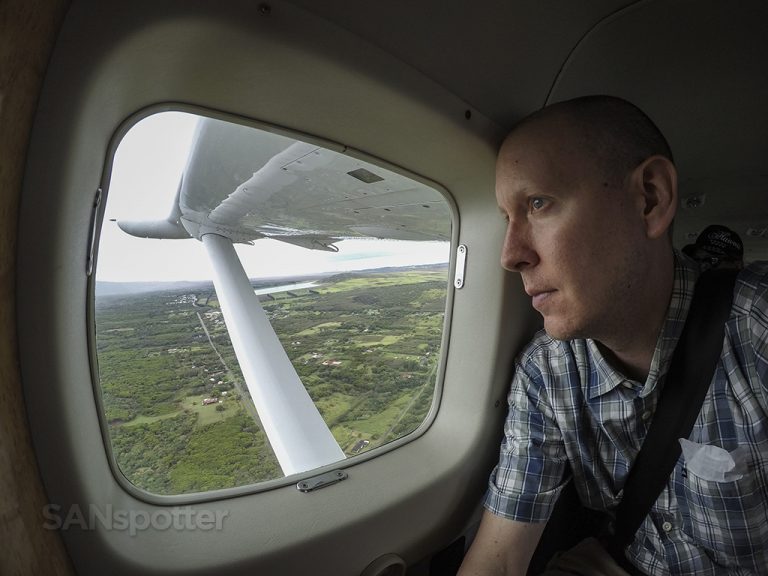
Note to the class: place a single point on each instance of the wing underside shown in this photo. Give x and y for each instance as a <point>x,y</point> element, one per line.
<point>246,184</point>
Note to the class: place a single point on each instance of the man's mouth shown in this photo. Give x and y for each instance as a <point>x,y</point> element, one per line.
<point>539,297</point>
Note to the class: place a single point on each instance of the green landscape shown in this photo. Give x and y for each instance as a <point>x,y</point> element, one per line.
<point>365,344</point>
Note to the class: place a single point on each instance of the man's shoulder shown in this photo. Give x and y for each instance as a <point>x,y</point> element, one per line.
<point>752,288</point>
<point>756,271</point>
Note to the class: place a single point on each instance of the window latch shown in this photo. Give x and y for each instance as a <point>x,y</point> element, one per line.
<point>461,264</point>
<point>321,481</point>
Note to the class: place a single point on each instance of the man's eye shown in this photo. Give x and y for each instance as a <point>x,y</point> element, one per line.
<point>537,204</point>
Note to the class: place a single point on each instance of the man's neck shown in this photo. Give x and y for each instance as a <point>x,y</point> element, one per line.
<point>632,346</point>
<point>634,364</point>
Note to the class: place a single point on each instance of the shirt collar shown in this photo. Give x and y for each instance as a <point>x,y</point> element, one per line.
<point>607,377</point>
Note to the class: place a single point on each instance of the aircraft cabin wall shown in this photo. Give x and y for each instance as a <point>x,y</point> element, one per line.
<point>28,35</point>
<point>286,67</point>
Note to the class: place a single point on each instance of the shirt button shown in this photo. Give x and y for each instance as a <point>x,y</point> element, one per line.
<point>627,384</point>
<point>667,526</point>
<point>647,414</point>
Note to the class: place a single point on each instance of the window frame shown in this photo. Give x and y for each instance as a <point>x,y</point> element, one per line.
<point>97,221</point>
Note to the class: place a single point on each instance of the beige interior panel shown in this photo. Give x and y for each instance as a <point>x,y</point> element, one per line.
<point>281,69</point>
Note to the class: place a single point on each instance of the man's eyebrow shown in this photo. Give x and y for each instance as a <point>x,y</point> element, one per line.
<point>522,192</point>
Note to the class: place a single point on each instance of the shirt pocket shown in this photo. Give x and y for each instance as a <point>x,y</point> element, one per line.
<point>728,518</point>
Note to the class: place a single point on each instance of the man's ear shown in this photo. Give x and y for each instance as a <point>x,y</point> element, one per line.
<point>657,178</point>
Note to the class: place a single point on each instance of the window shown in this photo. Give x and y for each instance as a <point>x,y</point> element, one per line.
<point>247,283</point>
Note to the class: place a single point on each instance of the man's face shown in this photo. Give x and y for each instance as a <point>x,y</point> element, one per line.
<point>573,235</point>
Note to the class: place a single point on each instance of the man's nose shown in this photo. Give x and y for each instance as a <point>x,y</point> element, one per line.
<point>517,253</point>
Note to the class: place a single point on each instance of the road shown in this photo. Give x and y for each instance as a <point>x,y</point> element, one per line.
<point>247,403</point>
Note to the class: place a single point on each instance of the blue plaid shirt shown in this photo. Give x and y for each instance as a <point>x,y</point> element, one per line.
<point>571,415</point>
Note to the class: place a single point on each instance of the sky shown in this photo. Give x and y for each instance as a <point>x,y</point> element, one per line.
<point>146,172</point>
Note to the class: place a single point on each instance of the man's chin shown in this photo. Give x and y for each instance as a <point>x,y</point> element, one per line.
<point>559,331</point>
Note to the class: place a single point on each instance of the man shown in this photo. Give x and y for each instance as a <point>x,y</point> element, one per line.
<point>589,191</point>
<point>717,247</point>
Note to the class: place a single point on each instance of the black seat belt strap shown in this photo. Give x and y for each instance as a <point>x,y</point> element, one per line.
<point>688,379</point>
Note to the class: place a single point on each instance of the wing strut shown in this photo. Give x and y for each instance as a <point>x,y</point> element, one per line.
<point>298,434</point>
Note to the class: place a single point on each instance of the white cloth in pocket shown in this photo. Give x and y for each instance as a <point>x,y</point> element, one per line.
<point>713,463</point>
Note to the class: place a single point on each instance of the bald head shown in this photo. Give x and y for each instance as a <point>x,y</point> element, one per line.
<point>616,134</point>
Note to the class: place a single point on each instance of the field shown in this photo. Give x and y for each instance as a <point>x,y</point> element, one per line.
<point>366,346</point>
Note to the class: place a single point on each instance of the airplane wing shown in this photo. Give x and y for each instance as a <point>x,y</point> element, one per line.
<point>246,184</point>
